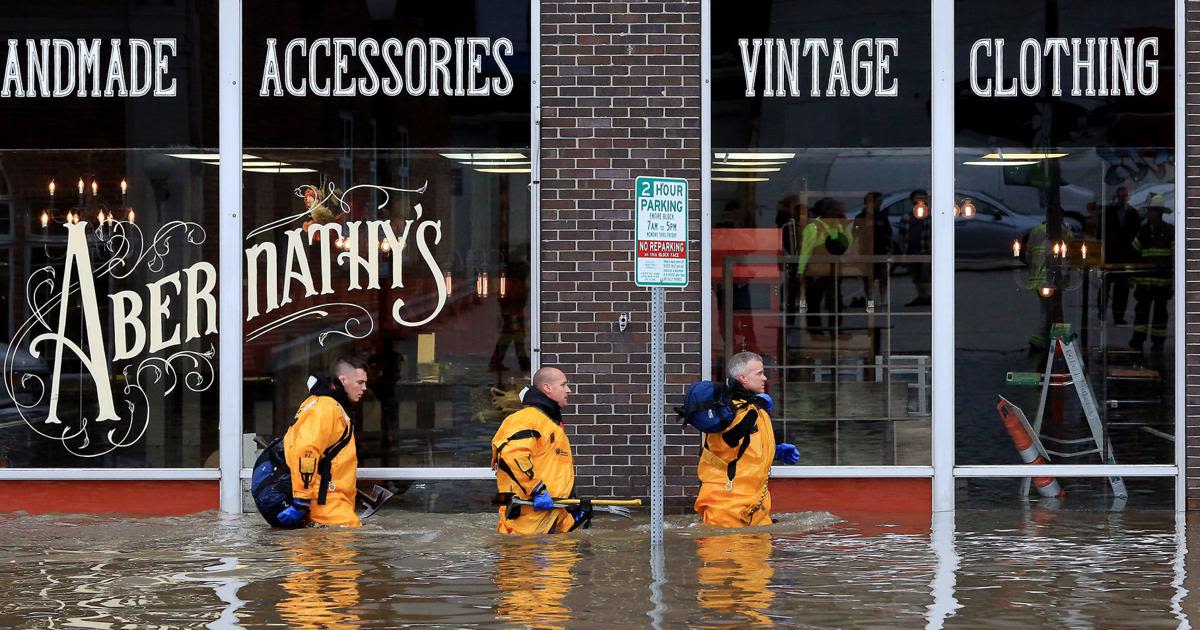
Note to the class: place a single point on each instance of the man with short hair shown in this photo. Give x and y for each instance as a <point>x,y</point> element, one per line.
<point>735,462</point>
<point>532,460</point>
<point>319,448</point>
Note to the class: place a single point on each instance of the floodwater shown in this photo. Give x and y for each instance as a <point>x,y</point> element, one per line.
<point>994,569</point>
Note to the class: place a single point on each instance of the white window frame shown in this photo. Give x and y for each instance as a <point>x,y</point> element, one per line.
<point>944,471</point>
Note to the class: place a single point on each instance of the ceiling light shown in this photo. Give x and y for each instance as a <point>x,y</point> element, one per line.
<point>206,156</point>
<point>256,163</point>
<point>754,156</point>
<point>1023,156</point>
<point>502,170</point>
<point>744,169</point>
<point>748,163</point>
<point>287,169</point>
<point>999,163</point>
<point>496,163</point>
<point>741,179</point>
<point>484,156</point>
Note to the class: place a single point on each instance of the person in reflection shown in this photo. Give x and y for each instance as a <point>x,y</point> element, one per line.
<point>1153,288</point>
<point>1121,224</point>
<point>828,234</point>
<point>790,218</point>
<point>533,579</point>
<point>873,236</point>
<point>735,462</point>
<point>512,318</point>
<point>734,577</point>
<point>532,460</point>
<point>319,448</point>
<point>323,593</point>
<point>916,236</point>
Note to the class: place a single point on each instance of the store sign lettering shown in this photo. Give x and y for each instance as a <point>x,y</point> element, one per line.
<point>862,67</point>
<point>366,67</point>
<point>56,68</point>
<point>1094,66</point>
<point>97,414</point>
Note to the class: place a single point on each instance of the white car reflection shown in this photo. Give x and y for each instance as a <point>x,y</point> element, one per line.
<point>989,234</point>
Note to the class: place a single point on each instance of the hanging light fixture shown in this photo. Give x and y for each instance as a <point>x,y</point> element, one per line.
<point>920,209</point>
<point>968,208</point>
<point>1046,291</point>
<point>1016,249</point>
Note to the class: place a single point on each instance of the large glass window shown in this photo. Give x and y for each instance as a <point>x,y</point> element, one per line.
<point>820,220</point>
<point>1065,192</point>
<point>387,215</point>
<point>108,246</point>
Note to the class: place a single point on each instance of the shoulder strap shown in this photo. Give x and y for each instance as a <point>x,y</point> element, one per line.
<point>325,464</point>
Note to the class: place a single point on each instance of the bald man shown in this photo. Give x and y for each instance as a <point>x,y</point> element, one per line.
<point>532,460</point>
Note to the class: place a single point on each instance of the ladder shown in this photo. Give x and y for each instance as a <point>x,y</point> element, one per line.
<point>1061,338</point>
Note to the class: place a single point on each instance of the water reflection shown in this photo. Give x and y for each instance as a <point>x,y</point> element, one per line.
<point>942,587</point>
<point>1039,567</point>
<point>325,589</point>
<point>734,577</point>
<point>533,576</point>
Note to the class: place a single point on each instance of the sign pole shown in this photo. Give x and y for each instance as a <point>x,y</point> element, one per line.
<point>657,403</point>
<point>660,260</point>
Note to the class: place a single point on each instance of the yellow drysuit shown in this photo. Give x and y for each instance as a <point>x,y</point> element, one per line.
<point>738,497</point>
<point>531,447</point>
<point>320,423</point>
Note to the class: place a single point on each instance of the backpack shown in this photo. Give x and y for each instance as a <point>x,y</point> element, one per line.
<point>708,406</point>
<point>271,481</point>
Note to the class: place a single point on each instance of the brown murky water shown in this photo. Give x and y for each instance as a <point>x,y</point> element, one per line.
<point>1006,569</point>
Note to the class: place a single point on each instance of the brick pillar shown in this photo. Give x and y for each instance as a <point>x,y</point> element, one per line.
<point>620,98</point>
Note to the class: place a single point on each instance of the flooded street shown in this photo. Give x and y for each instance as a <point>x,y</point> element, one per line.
<point>1000,569</point>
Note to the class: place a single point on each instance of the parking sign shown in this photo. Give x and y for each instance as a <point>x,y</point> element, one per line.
<point>662,221</point>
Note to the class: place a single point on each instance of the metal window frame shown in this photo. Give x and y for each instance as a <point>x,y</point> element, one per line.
<point>944,471</point>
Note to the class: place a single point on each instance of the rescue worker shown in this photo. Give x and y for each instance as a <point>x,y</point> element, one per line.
<point>319,448</point>
<point>532,460</point>
<point>1155,247</point>
<point>735,463</point>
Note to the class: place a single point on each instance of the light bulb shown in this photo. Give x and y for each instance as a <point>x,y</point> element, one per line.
<point>920,210</point>
<point>1046,291</point>
<point>52,187</point>
<point>1016,249</point>
<point>968,208</point>
<point>449,283</point>
<point>45,219</point>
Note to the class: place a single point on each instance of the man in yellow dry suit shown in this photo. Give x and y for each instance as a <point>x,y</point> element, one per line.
<point>319,448</point>
<point>735,463</point>
<point>532,459</point>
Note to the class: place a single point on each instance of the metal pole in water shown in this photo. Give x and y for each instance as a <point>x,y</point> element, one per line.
<point>657,403</point>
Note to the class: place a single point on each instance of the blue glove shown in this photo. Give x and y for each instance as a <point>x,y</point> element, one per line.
<point>542,501</point>
<point>787,453</point>
<point>293,514</point>
<point>765,402</point>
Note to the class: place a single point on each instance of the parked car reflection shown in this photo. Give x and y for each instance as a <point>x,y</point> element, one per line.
<point>989,234</point>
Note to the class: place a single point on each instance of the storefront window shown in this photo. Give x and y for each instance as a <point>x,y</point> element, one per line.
<point>387,216</point>
<point>108,251</point>
<point>1065,190</point>
<point>820,220</point>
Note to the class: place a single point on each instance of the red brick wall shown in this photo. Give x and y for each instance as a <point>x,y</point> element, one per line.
<point>620,98</point>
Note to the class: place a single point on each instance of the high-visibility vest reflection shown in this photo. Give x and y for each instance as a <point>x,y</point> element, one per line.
<point>734,576</point>
<point>324,592</point>
<point>534,576</point>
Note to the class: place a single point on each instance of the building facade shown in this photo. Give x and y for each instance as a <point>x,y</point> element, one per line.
<point>949,230</point>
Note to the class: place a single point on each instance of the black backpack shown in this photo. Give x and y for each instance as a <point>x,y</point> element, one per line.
<point>271,482</point>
